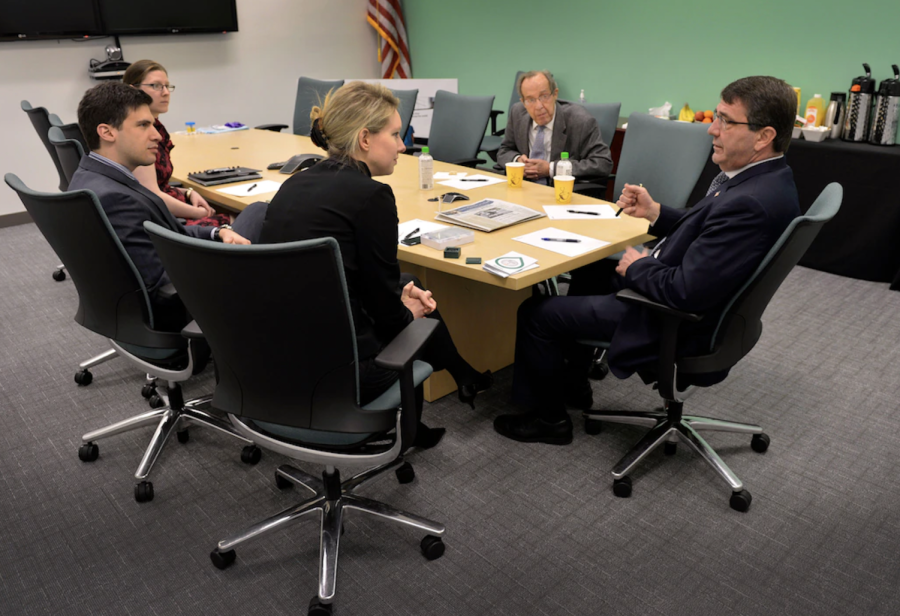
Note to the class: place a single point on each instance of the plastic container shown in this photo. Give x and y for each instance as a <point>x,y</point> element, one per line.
<point>564,166</point>
<point>190,127</point>
<point>815,111</point>
<point>426,170</point>
<point>581,97</point>
<point>445,238</point>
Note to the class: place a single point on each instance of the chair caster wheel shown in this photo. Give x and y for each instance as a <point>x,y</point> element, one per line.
<point>156,401</point>
<point>251,454</point>
<point>740,501</point>
<point>281,483</point>
<point>317,608</point>
<point>432,547</point>
<point>760,443</point>
<point>406,473</point>
<point>593,426</point>
<point>222,560</point>
<point>143,492</point>
<point>84,377</point>
<point>598,372</point>
<point>148,390</point>
<point>622,487</point>
<point>670,448</point>
<point>59,275</point>
<point>183,436</point>
<point>88,452</point>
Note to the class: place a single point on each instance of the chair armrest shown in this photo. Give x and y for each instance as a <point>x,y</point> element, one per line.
<point>413,149</point>
<point>192,331</point>
<point>468,162</point>
<point>633,297</point>
<point>495,113</point>
<point>175,184</point>
<point>403,349</point>
<point>277,128</point>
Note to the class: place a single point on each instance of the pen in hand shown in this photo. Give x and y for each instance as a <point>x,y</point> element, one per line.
<point>561,239</point>
<point>580,212</point>
<point>411,233</point>
<point>252,187</point>
<point>621,208</point>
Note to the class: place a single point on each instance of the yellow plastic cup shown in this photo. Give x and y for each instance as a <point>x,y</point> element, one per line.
<point>515,174</point>
<point>564,184</point>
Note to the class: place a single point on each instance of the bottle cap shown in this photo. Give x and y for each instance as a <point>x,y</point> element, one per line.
<point>190,123</point>
<point>564,155</point>
<point>425,149</point>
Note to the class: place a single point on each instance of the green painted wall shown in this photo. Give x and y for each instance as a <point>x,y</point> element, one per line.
<point>643,53</point>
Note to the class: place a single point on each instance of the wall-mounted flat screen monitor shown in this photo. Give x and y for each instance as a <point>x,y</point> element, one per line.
<point>48,19</point>
<point>167,16</point>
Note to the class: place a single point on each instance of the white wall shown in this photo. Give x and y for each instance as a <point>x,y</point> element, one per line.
<point>248,76</point>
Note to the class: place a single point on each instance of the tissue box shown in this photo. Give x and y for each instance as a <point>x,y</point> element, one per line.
<point>444,238</point>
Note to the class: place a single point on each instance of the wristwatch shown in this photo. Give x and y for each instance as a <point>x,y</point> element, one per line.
<point>187,194</point>
<point>216,234</point>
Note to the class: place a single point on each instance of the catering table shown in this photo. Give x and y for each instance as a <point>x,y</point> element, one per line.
<point>863,240</point>
<point>479,308</point>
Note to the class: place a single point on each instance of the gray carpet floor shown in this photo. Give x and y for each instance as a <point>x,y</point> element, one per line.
<point>531,529</point>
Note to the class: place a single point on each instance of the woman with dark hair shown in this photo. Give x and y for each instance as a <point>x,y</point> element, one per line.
<point>358,125</point>
<point>152,78</point>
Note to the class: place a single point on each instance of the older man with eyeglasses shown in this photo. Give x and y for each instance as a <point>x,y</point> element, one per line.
<point>541,127</point>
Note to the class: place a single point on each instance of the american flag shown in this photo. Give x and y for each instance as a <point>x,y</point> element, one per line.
<point>386,16</point>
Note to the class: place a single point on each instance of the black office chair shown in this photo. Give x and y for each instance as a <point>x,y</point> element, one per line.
<point>490,144</point>
<point>68,151</point>
<point>286,363</point>
<point>40,119</point>
<point>457,126</point>
<point>607,116</point>
<point>739,326</point>
<point>310,92</point>
<point>113,302</point>
<point>407,107</point>
<point>70,131</point>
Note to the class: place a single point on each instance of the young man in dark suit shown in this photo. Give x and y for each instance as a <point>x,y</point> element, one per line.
<point>704,256</point>
<point>118,127</point>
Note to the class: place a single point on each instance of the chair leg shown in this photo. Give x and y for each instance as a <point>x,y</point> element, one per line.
<point>382,510</point>
<point>719,425</point>
<point>646,419</point>
<point>211,421</point>
<point>329,543</point>
<point>690,436</point>
<point>271,524</point>
<point>368,475</point>
<point>295,475</point>
<point>125,425</point>
<point>166,426</point>
<point>98,359</point>
<point>651,440</point>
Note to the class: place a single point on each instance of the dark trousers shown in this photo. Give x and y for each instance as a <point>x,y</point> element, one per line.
<point>549,360</point>
<point>440,352</point>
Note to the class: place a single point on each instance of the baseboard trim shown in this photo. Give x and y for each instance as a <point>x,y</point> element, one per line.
<point>17,218</point>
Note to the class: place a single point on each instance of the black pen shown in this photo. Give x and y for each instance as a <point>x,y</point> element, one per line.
<point>561,239</point>
<point>580,212</point>
<point>411,233</point>
<point>251,188</point>
<point>474,180</point>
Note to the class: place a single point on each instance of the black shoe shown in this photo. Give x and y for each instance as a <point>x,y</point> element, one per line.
<point>426,437</point>
<point>580,397</point>
<point>468,391</point>
<point>530,428</point>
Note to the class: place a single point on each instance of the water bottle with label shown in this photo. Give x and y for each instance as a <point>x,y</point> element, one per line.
<point>564,166</point>
<point>426,170</point>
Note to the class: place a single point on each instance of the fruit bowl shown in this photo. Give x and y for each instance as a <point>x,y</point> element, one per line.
<point>815,134</point>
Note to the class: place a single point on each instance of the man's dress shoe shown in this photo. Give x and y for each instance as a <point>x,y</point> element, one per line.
<point>531,428</point>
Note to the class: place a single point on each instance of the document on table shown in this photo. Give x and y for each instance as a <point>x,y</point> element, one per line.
<point>569,249</point>
<point>473,181</point>
<point>423,226</point>
<point>446,175</point>
<point>599,211</point>
<point>251,190</point>
<point>509,264</point>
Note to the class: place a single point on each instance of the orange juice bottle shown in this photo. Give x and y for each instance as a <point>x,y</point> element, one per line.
<point>815,111</point>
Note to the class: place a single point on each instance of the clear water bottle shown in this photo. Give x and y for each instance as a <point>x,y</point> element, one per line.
<point>426,170</point>
<point>581,97</point>
<point>564,166</point>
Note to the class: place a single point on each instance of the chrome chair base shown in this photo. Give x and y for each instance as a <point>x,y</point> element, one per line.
<point>330,499</point>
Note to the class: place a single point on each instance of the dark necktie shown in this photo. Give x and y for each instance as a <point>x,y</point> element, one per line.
<point>717,181</point>
<point>537,149</point>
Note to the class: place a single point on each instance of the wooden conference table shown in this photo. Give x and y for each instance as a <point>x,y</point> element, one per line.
<point>479,308</point>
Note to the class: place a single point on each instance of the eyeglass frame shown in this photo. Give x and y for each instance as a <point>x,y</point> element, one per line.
<point>543,99</point>
<point>725,122</point>
<point>159,86</point>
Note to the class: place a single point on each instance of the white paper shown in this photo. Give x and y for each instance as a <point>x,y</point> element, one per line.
<point>473,181</point>
<point>564,212</point>
<point>258,188</point>
<point>569,249</point>
<point>446,175</point>
<point>423,226</point>
<point>501,266</point>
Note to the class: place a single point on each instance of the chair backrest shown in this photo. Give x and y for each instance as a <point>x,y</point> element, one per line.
<point>607,116</point>
<point>406,108</point>
<point>457,125</point>
<point>740,325</point>
<point>112,298</point>
<point>310,92</point>
<point>70,131</point>
<point>285,350</point>
<point>666,157</point>
<point>69,152</point>
<point>40,119</point>
<point>514,97</point>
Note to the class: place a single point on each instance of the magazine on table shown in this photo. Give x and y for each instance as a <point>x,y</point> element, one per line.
<point>488,215</point>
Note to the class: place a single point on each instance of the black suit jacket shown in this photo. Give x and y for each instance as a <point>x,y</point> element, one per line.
<point>127,205</point>
<point>344,202</point>
<point>704,258</point>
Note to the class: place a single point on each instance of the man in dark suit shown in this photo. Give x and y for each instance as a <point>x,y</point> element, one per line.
<point>118,126</point>
<point>704,256</point>
<point>540,128</point>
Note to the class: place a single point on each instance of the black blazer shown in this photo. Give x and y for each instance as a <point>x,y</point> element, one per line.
<point>707,254</point>
<point>344,202</point>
